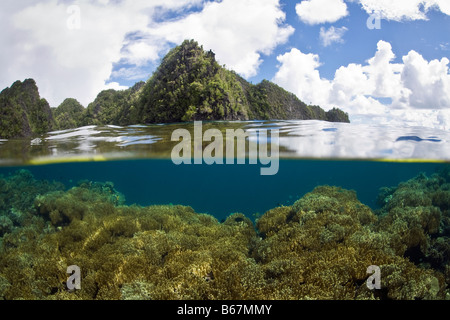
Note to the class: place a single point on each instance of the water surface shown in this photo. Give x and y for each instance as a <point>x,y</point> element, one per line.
<point>137,160</point>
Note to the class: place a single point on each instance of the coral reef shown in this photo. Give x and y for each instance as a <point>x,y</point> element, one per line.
<point>417,215</point>
<point>17,196</point>
<point>318,248</point>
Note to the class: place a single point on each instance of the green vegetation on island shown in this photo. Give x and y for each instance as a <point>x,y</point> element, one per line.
<point>68,115</point>
<point>22,112</point>
<point>188,85</point>
<point>114,107</point>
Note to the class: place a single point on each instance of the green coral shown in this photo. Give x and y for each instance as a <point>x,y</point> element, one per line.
<point>327,240</point>
<point>62,208</point>
<point>17,195</point>
<point>318,248</point>
<point>6,225</point>
<point>418,217</point>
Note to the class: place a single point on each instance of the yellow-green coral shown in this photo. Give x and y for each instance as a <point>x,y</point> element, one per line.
<point>319,248</point>
<point>417,216</point>
<point>323,246</point>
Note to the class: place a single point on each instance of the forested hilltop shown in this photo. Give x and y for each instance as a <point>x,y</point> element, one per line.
<point>22,111</point>
<point>188,85</point>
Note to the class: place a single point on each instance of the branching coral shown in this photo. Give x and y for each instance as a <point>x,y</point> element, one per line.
<point>418,219</point>
<point>319,248</point>
<point>17,195</point>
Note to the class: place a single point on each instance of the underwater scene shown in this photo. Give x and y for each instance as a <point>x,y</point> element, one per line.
<point>300,210</point>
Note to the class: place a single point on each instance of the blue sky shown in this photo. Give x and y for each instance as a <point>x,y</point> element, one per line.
<point>321,50</point>
<point>360,43</point>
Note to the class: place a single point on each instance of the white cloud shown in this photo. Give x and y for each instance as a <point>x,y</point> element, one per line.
<point>399,10</point>
<point>237,31</point>
<point>418,90</point>
<point>78,63</point>
<point>384,77</point>
<point>298,74</point>
<point>67,62</point>
<point>332,35</point>
<point>444,6</point>
<point>443,118</point>
<point>139,53</point>
<point>321,11</point>
<point>429,82</point>
<point>115,86</point>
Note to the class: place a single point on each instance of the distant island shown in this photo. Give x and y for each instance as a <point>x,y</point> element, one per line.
<point>189,85</point>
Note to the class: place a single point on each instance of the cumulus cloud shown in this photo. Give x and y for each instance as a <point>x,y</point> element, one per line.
<point>444,6</point>
<point>415,91</point>
<point>399,10</point>
<point>332,35</point>
<point>321,11</point>
<point>44,41</point>
<point>70,53</point>
<point>139,53</point>
<point>237,31</point>
<point>298,74</point>
<point>429,82</point>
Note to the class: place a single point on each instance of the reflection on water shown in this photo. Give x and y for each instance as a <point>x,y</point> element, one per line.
<point>298,139</point>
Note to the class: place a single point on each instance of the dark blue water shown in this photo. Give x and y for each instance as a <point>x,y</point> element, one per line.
<point>220,190</point>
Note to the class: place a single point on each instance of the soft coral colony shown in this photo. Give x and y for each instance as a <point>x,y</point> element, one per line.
<point>318,248</point>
